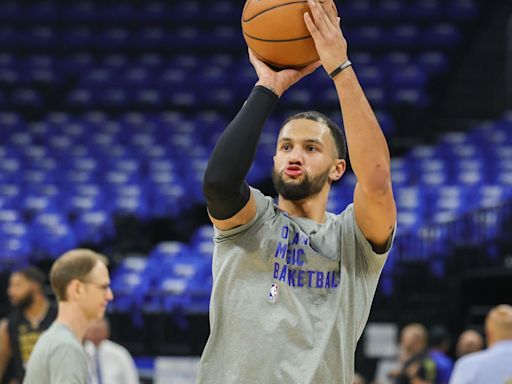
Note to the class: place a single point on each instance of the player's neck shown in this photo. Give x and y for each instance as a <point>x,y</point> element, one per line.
<point>72,317</point>
<point>312,207</point>
<point>37,310</point>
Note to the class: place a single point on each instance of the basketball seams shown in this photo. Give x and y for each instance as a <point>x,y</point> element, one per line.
<point>277,41</point>
<point>301,65</point>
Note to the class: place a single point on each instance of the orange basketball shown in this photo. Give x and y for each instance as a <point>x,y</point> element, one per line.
<point>276,32</point>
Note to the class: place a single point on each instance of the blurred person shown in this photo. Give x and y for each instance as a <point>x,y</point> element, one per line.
<point>469,341</point>
<point>32,315</point>
<point>493,365</point>
<point>293,283</point>
<point>8,376</point>
<point>358,379</point>
<point>81,283</point>
<point>440,344</point>
<point>415,366</point>
<point>110,362</point>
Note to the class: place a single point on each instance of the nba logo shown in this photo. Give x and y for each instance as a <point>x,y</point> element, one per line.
<point>272,295</point>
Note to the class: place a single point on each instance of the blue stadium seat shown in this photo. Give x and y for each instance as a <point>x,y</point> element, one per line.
<point>441,36</point>
<point>403,37</point>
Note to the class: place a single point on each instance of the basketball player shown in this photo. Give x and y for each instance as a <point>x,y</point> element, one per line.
<point>32,315</point>
<point>81,282</point>
<point>293,284</point>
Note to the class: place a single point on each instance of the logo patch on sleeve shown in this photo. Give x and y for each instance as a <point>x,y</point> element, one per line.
<point>272,295</point>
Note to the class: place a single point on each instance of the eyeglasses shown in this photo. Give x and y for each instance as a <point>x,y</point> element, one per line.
<point>102,287</point>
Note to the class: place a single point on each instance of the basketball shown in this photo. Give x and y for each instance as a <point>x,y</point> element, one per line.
<point>276,32</point>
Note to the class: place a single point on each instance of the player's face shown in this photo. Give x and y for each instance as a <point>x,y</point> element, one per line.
<point>305,159</point>
<point>97,292</point>
<point>20,291</point>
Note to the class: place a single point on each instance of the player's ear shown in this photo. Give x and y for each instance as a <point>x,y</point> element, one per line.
<point>338,169</point>
<point>74,289</point>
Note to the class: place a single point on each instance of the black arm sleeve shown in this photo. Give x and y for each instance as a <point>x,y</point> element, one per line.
<point>224,186</point>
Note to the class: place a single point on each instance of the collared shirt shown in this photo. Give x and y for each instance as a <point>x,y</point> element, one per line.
<point>117,365</point>
<point>492,366</point>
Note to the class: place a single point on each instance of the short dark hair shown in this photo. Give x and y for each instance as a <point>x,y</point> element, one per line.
<point>438,335</point>
<point>32,274</point>
<point>336,132</point>
<point>74,264</point>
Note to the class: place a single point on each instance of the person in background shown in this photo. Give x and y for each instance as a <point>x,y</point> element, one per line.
<point>32,314</point>
<point>415,366</point>
<point>494,365</point>
<point>110,362</point>
<point>469,341</point>
<point>8,376</point>
<point>440,343</point>
<point>81,282</point>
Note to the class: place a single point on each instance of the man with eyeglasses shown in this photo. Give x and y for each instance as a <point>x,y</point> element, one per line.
<point>81,283</point>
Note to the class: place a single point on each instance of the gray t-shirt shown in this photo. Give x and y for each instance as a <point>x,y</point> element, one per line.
<point>57,358</point>
<point>290,299</point>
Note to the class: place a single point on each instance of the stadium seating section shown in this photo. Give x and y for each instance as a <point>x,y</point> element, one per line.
<point>112,108</point>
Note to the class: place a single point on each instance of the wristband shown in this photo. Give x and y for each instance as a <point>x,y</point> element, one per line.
<point>343,66</point>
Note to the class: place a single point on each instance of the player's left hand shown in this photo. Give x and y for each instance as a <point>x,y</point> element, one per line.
<point>323,24</point>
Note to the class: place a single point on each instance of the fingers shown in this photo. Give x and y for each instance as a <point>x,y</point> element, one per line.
<point>313,30</point>
<point>253,58</point>
<point>332,12</point>
<point>255,61</point>
<point>319,16</point>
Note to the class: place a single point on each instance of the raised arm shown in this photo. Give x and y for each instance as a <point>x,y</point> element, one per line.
<point>230,202</point>
<point>374,205</point>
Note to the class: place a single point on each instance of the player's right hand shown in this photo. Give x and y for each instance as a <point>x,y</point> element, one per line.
<point>279,81</point>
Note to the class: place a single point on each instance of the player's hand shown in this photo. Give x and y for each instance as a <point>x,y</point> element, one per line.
<point>326,33</point>
<point>279,81</point>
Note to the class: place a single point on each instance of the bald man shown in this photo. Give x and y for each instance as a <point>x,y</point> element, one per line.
<point>494,365</point>
<point>469,341</point>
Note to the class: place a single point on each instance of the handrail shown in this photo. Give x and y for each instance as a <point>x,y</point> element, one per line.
<point>439,240</point>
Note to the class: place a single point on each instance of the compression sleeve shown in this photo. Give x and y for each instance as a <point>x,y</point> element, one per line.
<point>224,186</point>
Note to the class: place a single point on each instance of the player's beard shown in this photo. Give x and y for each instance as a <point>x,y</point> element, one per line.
<point>297,191</point>
<point>25,302</point>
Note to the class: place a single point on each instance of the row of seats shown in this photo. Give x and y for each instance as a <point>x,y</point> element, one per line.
<point>187,38</point>
<point>64,65</point>
<point>175,276</point>
<point>151,99</point>
<point>392,79</point>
